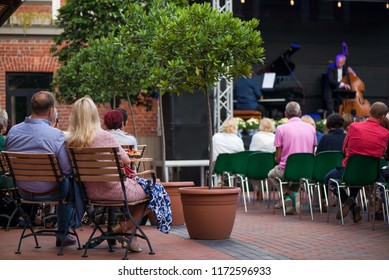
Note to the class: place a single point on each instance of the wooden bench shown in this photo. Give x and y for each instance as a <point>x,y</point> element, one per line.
<point>247,114</point>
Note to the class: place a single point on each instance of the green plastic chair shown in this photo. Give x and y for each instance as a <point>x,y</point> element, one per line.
<point>258,167</point>
<point>324,162</point>
<point>239,168</point>
<point>223,167</point>
<point>298,169</point>
<point>360,171</point>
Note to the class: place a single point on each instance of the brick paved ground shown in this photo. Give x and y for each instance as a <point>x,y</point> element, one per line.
<point>257,235</point>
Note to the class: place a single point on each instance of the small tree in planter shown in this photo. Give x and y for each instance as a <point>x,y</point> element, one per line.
<point>195,47</point>
<point>198,45</point>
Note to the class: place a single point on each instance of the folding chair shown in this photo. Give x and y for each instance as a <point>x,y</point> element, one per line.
<point>239,168</point>
<point>360,171</point>
<point>104,164</point>
<point>258,166</point>
<point>8,194</point>
<point>298,169</point>
<point>223,168</point>
<point>324,162</point>
<point>37,167</point>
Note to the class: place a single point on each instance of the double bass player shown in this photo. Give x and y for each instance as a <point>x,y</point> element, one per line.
<point>335,73</point>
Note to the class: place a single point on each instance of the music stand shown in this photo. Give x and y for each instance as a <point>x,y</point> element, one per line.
<point>344,94</point>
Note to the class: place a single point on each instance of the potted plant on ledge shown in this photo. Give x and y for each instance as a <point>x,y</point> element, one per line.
<point>196,46</point>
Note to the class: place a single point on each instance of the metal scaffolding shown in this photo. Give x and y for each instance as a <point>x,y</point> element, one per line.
<point>223,90</point>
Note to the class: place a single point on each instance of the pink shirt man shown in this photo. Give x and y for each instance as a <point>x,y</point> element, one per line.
<point>295,136</point>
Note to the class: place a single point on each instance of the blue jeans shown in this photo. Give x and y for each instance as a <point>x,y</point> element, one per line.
<point>337,173</point>
<point>64,211</point>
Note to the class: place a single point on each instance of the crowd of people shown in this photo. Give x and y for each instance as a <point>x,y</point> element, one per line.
<point>38,133</point>
<point>346,133</point>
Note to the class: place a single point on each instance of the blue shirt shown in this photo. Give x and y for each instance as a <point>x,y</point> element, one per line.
<point>246,93</point>
<point>37,136</point>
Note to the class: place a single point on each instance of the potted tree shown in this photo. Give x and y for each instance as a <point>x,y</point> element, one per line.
<point>120,63</point>
<point>195,47</point>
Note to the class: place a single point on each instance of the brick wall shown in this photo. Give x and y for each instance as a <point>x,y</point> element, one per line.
<point>33,55</point>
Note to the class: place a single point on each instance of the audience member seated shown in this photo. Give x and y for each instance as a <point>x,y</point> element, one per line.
<point>348,119</point>
<point>311,121</point>
<point>3,127</point>
<point>263,140</point>
<point>295,136</point>
<point>4,181</point>
<point>115,124</point>
<point>85,131</point>
<point>36,134</point>
<point>227,141</point>
<point>365,138</point>
<point>333,139</point>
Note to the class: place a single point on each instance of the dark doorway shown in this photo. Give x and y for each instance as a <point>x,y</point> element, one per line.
<point>20,87</point>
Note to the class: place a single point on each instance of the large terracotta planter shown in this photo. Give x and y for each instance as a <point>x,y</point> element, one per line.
<point>209,213</point>
<point>175,200</point>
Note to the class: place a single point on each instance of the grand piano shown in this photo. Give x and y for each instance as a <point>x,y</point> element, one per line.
<point>286,85</point>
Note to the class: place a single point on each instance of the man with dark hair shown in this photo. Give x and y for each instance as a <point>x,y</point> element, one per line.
<point>36,135</point>
<point>364,138</point>
<point>333,139</point>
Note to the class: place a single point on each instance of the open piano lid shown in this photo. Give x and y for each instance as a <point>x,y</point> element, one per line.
<point>282,65</point>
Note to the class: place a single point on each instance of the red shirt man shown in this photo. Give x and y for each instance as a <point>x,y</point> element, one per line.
<point>365,138</point>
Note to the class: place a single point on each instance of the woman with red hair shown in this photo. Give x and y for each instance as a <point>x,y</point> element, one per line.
<point>114,122</point>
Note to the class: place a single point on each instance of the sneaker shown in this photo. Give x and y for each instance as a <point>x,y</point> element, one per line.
<point>357,213</point>
<point>289,209</point>
<point>345,208</point>
<point>296,202</point>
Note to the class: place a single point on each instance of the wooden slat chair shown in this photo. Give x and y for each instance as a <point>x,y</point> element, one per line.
<point>105,165</point>
<point>37,167</point>
<point>141,148</point>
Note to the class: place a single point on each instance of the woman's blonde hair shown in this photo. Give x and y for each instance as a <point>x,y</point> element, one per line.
<point>308,119</point>
<point>84,123</point>
<point>230,125</point>
<point>267,125</point>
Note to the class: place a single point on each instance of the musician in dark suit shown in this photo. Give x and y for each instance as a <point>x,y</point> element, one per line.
<point>335,73</point>
<point>246,94</point>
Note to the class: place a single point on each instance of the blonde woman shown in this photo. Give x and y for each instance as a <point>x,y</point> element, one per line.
<point>263,139</point>
<point>311,121</point>
<point>85,131</point>
<point>227,141</point>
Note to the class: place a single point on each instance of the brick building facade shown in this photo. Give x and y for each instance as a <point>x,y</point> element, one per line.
<point>26,66</point>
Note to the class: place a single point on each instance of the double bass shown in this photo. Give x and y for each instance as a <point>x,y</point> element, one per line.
<point>358,105</point>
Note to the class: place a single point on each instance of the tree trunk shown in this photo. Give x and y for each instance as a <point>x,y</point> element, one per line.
<point>132,114</point>
<point>210,134</point>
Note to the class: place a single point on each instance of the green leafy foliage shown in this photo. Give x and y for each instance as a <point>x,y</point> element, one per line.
<point>86,20</point>
<point>199,44</point>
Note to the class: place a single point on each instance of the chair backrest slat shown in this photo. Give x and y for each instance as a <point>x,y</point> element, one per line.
<point>37,167</point>
<point>100,164</point>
